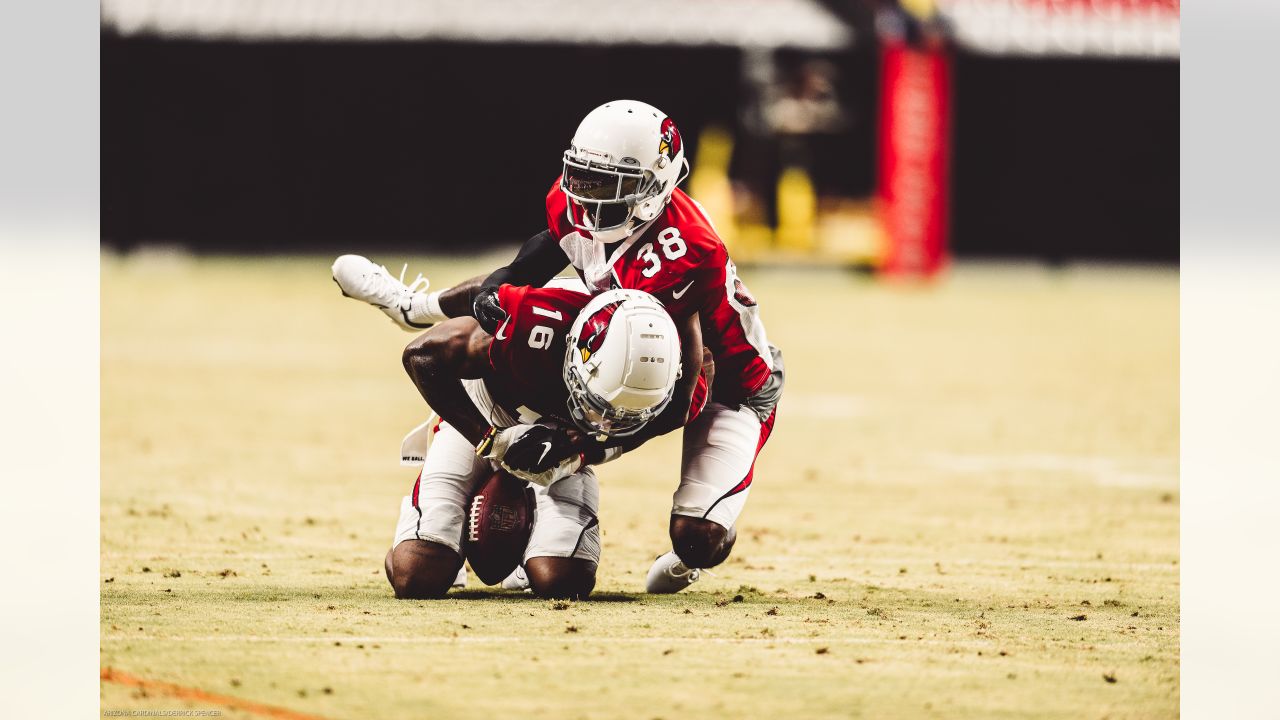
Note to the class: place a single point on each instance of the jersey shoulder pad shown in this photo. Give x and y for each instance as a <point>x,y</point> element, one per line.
<point>566,297</point>
<point>557,208</point>
<point>537,320</point>
<point>511,297</point>
<point>528,308</point>
<point>694,227</point>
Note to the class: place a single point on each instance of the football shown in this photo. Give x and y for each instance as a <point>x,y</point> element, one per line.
<point>499,521</point>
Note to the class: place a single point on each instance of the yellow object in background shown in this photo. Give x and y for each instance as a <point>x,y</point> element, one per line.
<point>797,211</point>
<point>710,185</point>
<point>921,9</point>
<point>835,230</point>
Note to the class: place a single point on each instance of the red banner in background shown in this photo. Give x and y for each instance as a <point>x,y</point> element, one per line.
<point>914,150</point>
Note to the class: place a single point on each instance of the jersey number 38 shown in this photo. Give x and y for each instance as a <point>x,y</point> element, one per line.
<point>673,248</point>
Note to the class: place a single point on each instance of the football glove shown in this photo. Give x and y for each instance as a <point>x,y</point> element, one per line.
<point>526,448</point>
<point>560,471</point>
<point>539,449</point>
<point>488,311</point>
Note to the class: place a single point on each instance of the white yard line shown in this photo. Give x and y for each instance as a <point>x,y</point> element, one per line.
<point>863,560</point>
<point>558,638</point>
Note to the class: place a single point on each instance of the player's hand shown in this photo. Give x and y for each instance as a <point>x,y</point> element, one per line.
<point>488,311</point>
<point>539,449</point>
<point>527,448</point>
<point>562,470</point>
<point>493,446</point>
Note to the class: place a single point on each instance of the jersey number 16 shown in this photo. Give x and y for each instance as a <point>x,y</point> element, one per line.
<point>541,336</point>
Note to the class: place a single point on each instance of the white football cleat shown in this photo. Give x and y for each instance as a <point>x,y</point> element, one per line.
<point>460,581</point>
<point>669,574</point>
<point>362,279</point>
<point>517,580</point>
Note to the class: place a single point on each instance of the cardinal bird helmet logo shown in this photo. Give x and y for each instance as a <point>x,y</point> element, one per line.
<point>669,140</point>
<point>595,328</point>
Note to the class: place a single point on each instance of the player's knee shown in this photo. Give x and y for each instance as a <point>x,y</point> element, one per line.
<point>419,570</point>
<point>556,577</point>
<point>416,356</point>
<point>423,356</point>
<point>700,543</point>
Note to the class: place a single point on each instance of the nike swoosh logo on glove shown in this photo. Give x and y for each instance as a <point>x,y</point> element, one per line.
<point>546,448</point>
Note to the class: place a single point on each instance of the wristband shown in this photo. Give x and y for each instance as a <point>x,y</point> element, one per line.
<point>486,443</point>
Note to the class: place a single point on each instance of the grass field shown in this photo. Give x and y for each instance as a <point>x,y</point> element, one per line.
<point>969,508</point>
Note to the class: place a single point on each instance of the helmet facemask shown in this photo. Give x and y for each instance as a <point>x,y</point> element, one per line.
<point>603,196</point>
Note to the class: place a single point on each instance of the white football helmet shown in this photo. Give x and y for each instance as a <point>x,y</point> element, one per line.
<point>621,363</point>
<point>625,160</point>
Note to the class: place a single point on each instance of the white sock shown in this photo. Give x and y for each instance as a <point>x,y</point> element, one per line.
<point>424,308</point>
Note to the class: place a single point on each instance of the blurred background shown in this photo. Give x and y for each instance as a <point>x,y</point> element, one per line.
<point>882,135</point>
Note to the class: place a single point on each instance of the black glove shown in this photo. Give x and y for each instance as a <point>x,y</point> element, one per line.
<point>539,449</point>
<point>488,311</point>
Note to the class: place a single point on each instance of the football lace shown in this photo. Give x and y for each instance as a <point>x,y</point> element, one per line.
<point>473,531</point>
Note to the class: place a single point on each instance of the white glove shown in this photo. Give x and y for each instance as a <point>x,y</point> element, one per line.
<point>567,467</point>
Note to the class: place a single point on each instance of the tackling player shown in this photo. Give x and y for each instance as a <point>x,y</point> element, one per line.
<point>617,217</point>
<point>602,371</point>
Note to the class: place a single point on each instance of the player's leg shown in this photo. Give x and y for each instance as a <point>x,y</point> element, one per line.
<point>564,547</point>
<point>701,543</point>
<point>556,577</point>
<point>409,306</point>
<point>717,469</point>
<point>426,555</point>
<point>420,569</point>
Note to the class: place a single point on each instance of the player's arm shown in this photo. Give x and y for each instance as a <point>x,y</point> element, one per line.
<point>539,260</point>
<point>677,411</point>
<point>456,350</point>
<point>439,360</point>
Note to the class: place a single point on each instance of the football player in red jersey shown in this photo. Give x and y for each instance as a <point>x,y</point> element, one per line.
<point>601,372</point>
<point>618,218</point>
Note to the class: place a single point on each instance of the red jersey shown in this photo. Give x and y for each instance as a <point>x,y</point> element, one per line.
<point>679,259</point>
<point>527,353</point>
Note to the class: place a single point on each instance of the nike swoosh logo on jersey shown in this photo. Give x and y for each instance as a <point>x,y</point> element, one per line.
<point>685,289</point>
<point>546,448</point>
<point>502,327</point>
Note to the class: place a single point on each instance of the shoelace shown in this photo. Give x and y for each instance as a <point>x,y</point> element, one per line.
<point>379,284</point>
<point>413,286</point>
<point>688,572</point>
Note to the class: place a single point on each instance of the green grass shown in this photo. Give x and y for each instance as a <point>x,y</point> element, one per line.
<point>957,472</point>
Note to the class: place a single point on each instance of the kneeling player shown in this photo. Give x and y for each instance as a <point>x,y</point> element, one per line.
<point>617,216</point>
<point>567,382</point>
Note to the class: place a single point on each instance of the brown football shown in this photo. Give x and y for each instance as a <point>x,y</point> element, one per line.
<point>499,522</point>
